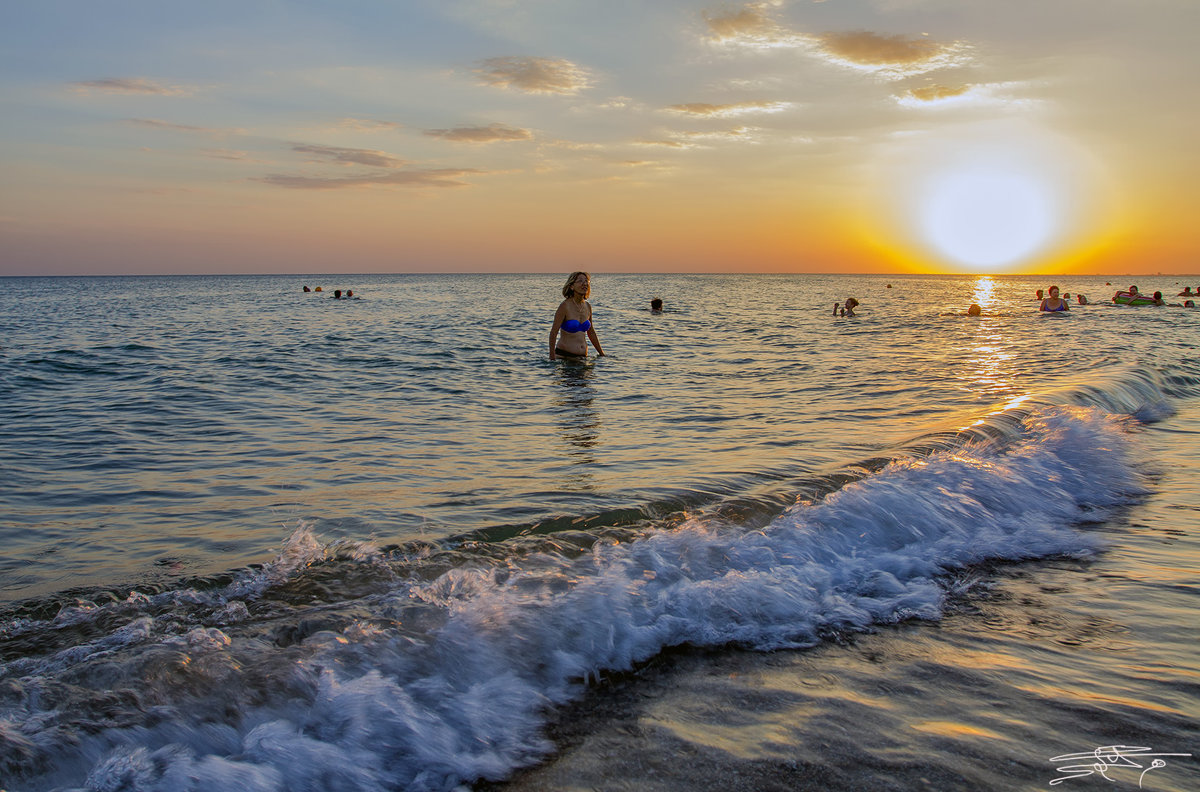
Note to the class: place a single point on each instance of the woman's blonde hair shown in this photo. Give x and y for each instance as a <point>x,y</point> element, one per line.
<point>571,282</point>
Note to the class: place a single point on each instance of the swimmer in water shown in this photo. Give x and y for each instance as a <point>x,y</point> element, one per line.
<point>656,305</point>
<point>974,310</point>
<point>1054,302</point>
<point>574,319</point>
<point>847,309</point>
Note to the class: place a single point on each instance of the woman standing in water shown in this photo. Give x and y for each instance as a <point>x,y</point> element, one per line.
<point>1054,302</point>
<point>574,319</point>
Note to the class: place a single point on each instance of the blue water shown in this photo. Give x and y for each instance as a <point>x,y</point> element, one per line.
<point>265,539</point>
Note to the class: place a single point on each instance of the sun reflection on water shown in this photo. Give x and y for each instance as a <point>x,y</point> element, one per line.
<point>985,289</point>
<point>990,371</point>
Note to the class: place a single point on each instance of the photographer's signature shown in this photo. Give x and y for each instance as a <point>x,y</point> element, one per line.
<point>1102,759</point>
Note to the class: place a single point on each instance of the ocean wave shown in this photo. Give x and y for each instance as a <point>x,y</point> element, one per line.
<point>420,681</point>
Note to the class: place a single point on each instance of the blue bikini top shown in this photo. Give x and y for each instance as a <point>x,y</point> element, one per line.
<point>576,326</point>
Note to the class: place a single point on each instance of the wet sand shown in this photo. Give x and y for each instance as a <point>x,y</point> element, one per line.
<point>860,716</point>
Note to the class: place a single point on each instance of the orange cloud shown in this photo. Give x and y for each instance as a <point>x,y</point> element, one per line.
<point>895,55</point>
<point>134,85</point>
<point>492,133</point>
<point>749,26</point>
<point>534,75</point>
<point>932,93</point>
<point>872,49</point>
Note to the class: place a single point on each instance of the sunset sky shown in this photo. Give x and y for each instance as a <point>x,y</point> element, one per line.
<point>551,135</point>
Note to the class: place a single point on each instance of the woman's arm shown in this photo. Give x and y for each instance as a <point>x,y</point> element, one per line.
<point>595,341</point>
<point>591,333</point>
<point>559,316</point>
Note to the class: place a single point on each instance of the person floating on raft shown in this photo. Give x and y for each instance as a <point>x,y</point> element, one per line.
<point>1132,297</point>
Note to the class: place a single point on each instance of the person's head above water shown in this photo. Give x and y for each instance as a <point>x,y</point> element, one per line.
<point>656,304</point>
<point>585,281</point>
<point>974,310</point>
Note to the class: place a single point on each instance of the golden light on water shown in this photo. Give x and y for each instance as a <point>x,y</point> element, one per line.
<point>984,294</point>
<point>954,729</point>
<point>990,372</point>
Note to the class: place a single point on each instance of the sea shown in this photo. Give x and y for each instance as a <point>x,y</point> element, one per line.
<point>256,538</point>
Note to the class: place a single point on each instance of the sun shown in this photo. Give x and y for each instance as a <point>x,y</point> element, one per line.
<point>982,198</point>
<point>988,216</point>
